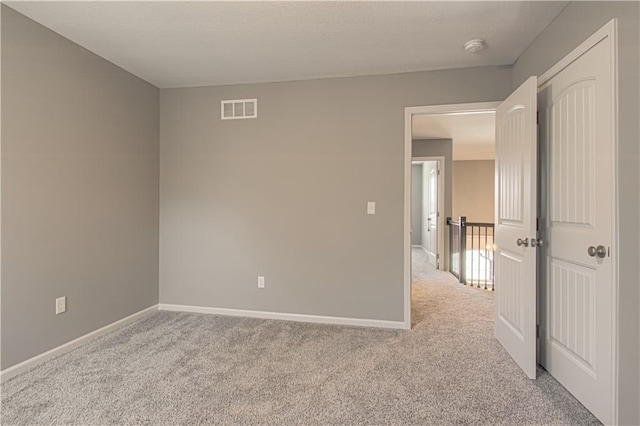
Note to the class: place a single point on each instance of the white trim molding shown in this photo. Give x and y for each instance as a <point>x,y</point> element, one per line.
<point>317,319</point>
<point>409,112</point>
<point>13,371</point>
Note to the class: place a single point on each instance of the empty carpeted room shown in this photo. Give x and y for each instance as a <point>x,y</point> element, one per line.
<point>206,213</point>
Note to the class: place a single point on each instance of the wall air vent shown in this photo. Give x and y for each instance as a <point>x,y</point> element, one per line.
<point>239,108</point>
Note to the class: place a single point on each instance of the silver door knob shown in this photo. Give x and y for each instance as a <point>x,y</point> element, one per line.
<point>537,242</point>
<point>521,242</point>
<point>600,251</point>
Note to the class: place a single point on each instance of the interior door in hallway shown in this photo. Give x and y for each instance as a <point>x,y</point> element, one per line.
<point>576,124</point>
<point>432,213</point>
<point>515,225</point>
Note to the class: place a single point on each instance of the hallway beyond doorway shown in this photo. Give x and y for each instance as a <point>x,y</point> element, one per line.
<point>438,293</point>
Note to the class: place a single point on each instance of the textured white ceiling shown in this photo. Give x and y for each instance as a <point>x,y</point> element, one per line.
<point>473,134</point>
<point>186,43</point>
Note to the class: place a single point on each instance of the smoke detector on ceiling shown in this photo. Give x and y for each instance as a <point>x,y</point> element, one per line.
<point>474,46</point>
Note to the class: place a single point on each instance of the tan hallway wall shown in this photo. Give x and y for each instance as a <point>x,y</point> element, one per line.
<point>473,190</point>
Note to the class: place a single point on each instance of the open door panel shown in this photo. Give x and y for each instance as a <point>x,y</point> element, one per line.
<point>515,225</point>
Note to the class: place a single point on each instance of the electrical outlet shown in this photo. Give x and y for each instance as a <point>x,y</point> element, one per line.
<point>260,282</point>
<point>61,305</point>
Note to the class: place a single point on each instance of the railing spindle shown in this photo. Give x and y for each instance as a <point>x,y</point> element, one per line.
<point>486,256</point>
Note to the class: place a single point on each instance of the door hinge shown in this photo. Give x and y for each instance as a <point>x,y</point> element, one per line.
<point>537,331</point>
<point>438,256</point>
<point>438,172</point>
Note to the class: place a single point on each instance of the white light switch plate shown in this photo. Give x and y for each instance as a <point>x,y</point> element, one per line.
<point>260,282</point>
<point>371,207</point>
<point>61,305</point>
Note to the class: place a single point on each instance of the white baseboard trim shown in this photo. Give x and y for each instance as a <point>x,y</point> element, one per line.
<point>318,319</point>
<point>13,371</point>
<point>418,246</point>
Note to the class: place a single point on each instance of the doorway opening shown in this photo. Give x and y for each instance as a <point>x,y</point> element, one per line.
<point>459,140</point>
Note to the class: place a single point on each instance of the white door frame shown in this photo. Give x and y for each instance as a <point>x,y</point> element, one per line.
<point>409,112</point>
<point>609,30</point>
<point>442,265</point>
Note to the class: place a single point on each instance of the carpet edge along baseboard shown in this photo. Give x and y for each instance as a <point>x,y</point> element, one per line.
<point>28,364</point>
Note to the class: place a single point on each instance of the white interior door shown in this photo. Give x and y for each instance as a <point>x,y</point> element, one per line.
<point>515,225</point>
<point>432,215</point>
<point>426,240</point>
<point>576,129</point>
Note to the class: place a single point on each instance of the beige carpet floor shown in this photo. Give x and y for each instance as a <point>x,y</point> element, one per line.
<point>181,368</point>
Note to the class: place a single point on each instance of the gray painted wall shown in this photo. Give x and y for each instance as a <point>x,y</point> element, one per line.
<point>416,204</point>
<point>237,196</point>
<point>574,25</point>
<point>473,190</point>
<point>79,190</point>
<point>440,148</point>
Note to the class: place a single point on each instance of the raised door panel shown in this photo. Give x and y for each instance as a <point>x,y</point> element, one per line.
<point>572,313</point>
<point>511,292</point>
<point>510,167</point>
<point>573,161</point>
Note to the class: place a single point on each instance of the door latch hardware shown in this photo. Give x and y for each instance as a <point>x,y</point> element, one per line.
<point>600,251</point>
